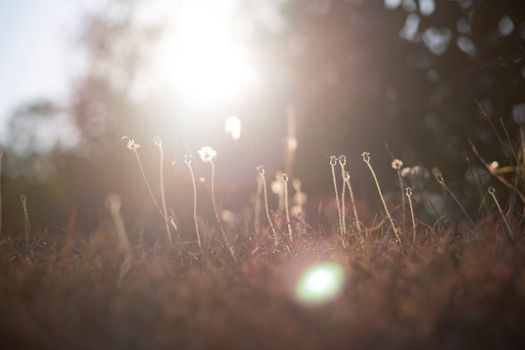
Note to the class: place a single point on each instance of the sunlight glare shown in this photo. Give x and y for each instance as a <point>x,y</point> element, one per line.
<point>232,126</point>
<point>202,57</point>
<point>320,283</point>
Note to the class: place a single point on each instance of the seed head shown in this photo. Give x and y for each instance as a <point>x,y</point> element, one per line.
<point>130,143</point>
<point>397,164</point>
<point>260,170</point>
<point>342,160</point>
<point>207,154</point>
<point>438,175</point>
<point>187,158</point>
<point>366,156</point>
<point>333,160</point>
<point>157,141</point>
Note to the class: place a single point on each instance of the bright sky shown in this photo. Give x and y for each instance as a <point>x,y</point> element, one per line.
<point>37,45</point>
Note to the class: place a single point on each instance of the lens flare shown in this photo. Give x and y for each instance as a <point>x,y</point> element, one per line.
<point>320,283</point>
<point>232,126</point>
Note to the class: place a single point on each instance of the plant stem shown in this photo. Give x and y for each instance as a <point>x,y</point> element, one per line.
<point>194,185</point>
<point>408,192</point>
<point>266,206</point>
<point>158,143</point>
<point>366,158</point>
<point>284,179</point>
<point>492,192</point>
<point>333,162</point>
<point>217,216</point>
<point>352,199</point>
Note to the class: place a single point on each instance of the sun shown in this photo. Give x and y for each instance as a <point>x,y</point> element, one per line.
<point>202,57</point>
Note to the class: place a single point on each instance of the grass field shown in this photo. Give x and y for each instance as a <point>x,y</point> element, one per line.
<point>274,281</point>
<point>448,290</point>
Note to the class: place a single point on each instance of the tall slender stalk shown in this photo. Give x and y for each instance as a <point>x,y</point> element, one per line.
<point>187,160</point>
<point>27,222</point>
<point>492,192</point>
<point>396,165</point>
<point>257,209</point>
<point>408,192</point>
<point>333,162</point>
<point>284,179</point>
<point>366,158</point>
<point>352,199</point>
<point>342,163</point>
<point>261,172</point>
<point>216,211</point>
<point>441,181</point>
<point>157,141</point>
<point>133,146</point>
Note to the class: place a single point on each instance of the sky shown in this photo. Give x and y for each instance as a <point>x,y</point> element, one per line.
<point>37,40</point>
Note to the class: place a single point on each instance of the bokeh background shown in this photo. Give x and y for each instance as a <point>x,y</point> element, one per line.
<point>332,77</point>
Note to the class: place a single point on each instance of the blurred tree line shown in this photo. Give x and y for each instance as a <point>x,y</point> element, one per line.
<point>359,73</point>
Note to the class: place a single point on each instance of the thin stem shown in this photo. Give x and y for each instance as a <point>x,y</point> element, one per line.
<point>522,139</point>
<point>352,199</point>
<point>257,209</point>
<point>397,164</point>
<point>261,171</point>
<point>284,179</point>
<point>216,211</point>
<point>403,200</point>
<point>366,158</point>
<point>498,176</point>
<point>408,192</point>
<point>27,222</point>
<point>187,160</point>
<point>146,182</point>
<point>333,162</point>
<point>492,192</point>
<point>158,143</point>
<point>441,181</point>
<point>343,211</point>
<point>342,163</point>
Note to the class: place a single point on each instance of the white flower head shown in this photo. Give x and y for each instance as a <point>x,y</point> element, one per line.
<point>397,164</point>
<point>130,143</point>
<point>207,154</point>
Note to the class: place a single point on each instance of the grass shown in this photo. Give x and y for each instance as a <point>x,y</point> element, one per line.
<point>445,291</point>
<point>446,287</point>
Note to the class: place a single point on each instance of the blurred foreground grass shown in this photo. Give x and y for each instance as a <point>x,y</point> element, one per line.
<point>449,290</point>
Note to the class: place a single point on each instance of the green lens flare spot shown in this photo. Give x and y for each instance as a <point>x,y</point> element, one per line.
<point>320,283</point>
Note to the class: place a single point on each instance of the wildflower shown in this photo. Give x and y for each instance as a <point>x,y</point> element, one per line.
<point>397,164</point>
<point>207,154</point>
<point>131,144</point>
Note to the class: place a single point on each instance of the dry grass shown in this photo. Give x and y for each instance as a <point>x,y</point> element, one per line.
<point>447,290</point>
